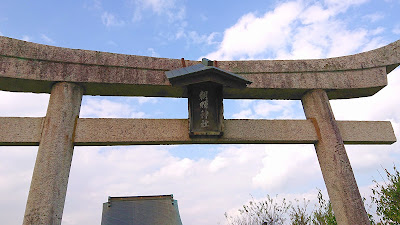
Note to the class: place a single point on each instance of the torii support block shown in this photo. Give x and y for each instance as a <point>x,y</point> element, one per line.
<point>46,198</point>
<point>335,165</point>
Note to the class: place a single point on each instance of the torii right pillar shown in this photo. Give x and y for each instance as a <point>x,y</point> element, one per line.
<point>335,165</point>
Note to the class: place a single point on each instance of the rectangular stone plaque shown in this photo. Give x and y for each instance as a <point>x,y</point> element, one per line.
<point>205,109</point>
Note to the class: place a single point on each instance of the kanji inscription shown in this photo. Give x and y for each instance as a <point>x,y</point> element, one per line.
<point>205,108</point>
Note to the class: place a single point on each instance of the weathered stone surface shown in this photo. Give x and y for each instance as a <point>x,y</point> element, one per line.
<point>335,165</point>
<point>50,176</point>
<point>26,131</point>
<point>31,67</point>
<point>20,131</point>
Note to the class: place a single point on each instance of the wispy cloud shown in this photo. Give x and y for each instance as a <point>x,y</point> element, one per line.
<point>112,43</point>
<point>203,39</point>
<point>109,20</point>
<point>46,39</point>
<point>93,5</point>
<point>374,17</point>
<point>153,53</point>
<point>174,10</point>
<point>342,5</point>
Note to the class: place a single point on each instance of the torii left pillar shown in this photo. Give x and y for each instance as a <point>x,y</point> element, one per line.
<point>46,198</point>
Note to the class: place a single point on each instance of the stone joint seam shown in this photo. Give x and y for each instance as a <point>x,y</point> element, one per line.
<point>317,129</point>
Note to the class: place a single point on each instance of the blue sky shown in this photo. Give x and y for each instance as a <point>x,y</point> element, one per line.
<point>207,180</point>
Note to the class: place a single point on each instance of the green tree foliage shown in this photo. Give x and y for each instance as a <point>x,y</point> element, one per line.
<point>264,212</point>
<point>387,198</point>
<point>270,212</point>
<point>323,214</point>
<point>298,214</point>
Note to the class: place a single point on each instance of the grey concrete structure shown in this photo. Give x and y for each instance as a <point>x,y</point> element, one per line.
<point>141,210</point>
<point>335,165</point>
<point>53,162</point>
<point>30,67</point>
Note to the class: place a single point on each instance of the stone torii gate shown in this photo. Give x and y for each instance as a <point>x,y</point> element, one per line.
<point>68,74</point>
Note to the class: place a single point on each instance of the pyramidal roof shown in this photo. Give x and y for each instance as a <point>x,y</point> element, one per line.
<point>205,72</point>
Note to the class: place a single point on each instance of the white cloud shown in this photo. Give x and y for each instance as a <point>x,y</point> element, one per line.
<point>341,44</point>
<point>373,43</point>
<point>193,38</point>
<point>173,13</point>
<point>378,30</point>
<point>268,109</point>
<point>295,29</point>
<point>153,53</point>
<point>109,20</point>
<point>103,108</point>
<point>93,5</point>
<point>180,33</point>
<point>47,40</point>
<point>173,9</point>
<point>217,163</point>
<point>147,170</point>
<point>253,35</point>
<point>142,100</point>
<point>26,38</point>
<point>371,108</point>
<point>196,38</point>
<point>366,159</point>
<point>225,180</point>
<point>244,114</point>
<point>315,13</point>
<point>281,167</point>
<point>15,104</point>
<point>15,175</point>
<point>340,6</point>
<point>173,170</point>
<point>374,17</point>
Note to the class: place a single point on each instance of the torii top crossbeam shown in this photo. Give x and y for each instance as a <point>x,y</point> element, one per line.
<point>30,67</point>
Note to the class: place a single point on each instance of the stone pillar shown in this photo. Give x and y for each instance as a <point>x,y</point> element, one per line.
<point>46,198</point>
<point>335,165</point>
